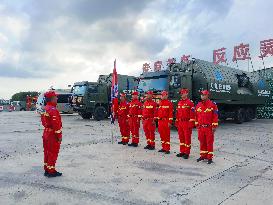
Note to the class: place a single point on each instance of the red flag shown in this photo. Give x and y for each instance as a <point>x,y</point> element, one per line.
<point>114,93</point>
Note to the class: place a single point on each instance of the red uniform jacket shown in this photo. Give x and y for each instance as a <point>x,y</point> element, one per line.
<point>51,119</point>
<point>135,108</point>
<point>123,109</point>
<point>149,109</point>
<point>165,110</point>
<point>206,114</point>
<point>185,111</point>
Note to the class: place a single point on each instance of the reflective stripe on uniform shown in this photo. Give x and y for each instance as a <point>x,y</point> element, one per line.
<point>211,153</point>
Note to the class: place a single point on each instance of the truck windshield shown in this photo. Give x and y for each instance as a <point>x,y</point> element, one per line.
<point>79,89</point>
<point>157,84</point>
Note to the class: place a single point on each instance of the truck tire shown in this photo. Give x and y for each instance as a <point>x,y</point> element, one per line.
<point>249,114</point>
<point>239,116</point>
<point>100,113</point>
<point>85,115</point>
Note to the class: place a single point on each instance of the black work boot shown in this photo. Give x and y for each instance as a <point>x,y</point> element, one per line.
<point>210,161</point>
<point>180,155</point>
<point>120,142</point>
<point>167,152</point>
<point>200,159</point>
<point>56,174</point>
<point>147,147</point>
<point>186,156</point>
<point>125,143</point>
<point>46,173</point>
<point>161,150</point>
<point>151,148</point>
<point>133,145</point>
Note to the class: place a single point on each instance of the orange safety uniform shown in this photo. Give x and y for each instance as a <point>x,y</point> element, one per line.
<point>148,115</point>
<point>122,114</point>
<point>206,120</point>
<point>185,118</point>
<point>165,117</point>
<point>52,122</point>
<point>134,119</point>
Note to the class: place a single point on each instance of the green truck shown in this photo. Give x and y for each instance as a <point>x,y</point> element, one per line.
<point>236,92</point>
<point>93,99</point>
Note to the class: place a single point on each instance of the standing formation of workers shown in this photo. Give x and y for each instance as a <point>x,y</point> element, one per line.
<point>203,116</point>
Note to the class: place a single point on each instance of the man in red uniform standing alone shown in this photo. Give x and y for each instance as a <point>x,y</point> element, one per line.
<point>148,119</point>
<point>206,122</point>
<point>52,136</point>
<point>122,113</point>
<point>185,118</point>
<point>134,118</point>
<point>165,118</point>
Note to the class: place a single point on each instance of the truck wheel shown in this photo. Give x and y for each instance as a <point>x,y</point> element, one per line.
<point>249,114</point>
<point>239,116</point>
<point>100,113</point>
<point>85,115</point>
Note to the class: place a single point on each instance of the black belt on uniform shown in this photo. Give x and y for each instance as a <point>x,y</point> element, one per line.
<point>183,119</point>
<point>204,125</point>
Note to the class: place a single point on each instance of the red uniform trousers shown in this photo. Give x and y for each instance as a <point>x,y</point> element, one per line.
<point>206,139</point>
<point>51,150</point>
<point>134,124</point>
<point>165,133</point>
<point>184,133</point>
<point>149,130</point>
<point>124,129</point>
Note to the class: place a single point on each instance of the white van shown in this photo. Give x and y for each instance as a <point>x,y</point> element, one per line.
<point>63,104</point>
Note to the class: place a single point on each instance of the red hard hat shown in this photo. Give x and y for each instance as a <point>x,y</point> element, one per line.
<point>50,94</point>
<point>205,92</point>
<point>135,93</point>
<point>184,91</point>
<point>164,93</point>
<point>149,92</point>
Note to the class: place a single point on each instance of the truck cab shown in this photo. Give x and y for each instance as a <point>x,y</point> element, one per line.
<point>90,99</point>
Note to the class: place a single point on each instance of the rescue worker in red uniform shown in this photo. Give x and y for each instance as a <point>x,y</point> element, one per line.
<point>206,122</point>
<point>185,118</point>
<point>52,136</point>
<point>148,120</point>
<point>134,118</point>
<point>122,114</point>
<point>165,118</point>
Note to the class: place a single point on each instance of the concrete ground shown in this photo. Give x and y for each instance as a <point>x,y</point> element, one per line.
<point>97,171</point>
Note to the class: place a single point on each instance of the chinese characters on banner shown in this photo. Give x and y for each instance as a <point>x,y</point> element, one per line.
<point>146,67</point>
<point>185,58</point>
<point>241,52</point>
<point>219,56</point>
<point>171,61</point>
<point>266,48</point>
<point>158,66</point>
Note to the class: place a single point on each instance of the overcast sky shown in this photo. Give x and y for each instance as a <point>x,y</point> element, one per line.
<point>57,42</point>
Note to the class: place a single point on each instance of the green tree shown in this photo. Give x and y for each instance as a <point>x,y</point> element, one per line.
<point>22,96</point>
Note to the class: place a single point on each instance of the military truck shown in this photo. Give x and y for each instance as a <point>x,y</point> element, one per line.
<point>266,111</point>
<point>92,99</point>
<point>236,92</point>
